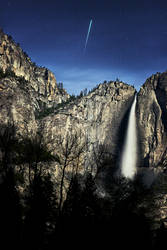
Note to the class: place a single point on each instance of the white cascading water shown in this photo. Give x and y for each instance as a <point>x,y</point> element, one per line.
<point>129,156</point>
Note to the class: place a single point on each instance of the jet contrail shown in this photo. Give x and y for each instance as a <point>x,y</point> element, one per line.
<point>90,24</point>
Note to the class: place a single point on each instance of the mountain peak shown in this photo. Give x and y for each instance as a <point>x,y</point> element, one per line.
<point>40,79</point>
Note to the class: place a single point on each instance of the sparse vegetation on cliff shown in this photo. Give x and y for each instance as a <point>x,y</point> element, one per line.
<point>9,73</point>
<point>45,111</point>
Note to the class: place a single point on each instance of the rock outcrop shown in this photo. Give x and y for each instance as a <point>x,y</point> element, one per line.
<point>25,88</point>
<point>152,117</point>
<point>27,91</point>
<point>40,81</point>
<point>98,119</point>
<point>16,106</point>
<point>101,115</point>
<point>98,116</point>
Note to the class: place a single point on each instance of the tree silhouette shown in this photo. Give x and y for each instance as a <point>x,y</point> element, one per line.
<point>78,215</point>
<point>10,209</point>
<point>39,219</point>
<point>71,148</point>
<point>8,144</point>
<point>41,205</point>
<point>72,204</point>
<point>40,201</point>
<point>33,152</point>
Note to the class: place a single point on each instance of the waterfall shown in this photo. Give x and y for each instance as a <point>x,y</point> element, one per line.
<point>129,155</point>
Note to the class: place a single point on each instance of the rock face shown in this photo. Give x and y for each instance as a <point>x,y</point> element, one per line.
<point>96,120</point>
<point>41,82</point>
<point>25,89</point>
<point>101,115</point>
<point>16,106</point>
<point>98,116</point>
<point>152,117</point>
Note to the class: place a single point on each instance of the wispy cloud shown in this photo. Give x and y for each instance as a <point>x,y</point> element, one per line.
<point>76,79</point>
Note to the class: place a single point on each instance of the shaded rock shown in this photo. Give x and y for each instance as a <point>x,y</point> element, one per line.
<point>152,116</point>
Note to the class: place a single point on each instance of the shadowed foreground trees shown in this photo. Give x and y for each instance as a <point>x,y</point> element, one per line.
<point>91,221</point>
<point>41,214</point>
<point>10,208</point>
<point>71,148</point>
<point>34,219</point>
<point>25,216</point>
<point>8,145</point>
<point>10,211</point>
<point>33,151</point>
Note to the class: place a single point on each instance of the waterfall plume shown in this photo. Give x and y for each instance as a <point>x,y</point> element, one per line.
<point>129,155</point>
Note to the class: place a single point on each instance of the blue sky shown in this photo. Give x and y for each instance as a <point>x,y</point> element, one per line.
<point>128,39</point>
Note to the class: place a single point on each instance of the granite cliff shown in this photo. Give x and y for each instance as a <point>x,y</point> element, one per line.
<point>88,131</point>
<point>152,116</point>
<point>25,88</point>
<point>98,116</point>
<point>41,82</point>
<point>31,90</point>
<point>31,98</point>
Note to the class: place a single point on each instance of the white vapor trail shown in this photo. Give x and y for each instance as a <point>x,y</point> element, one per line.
<point>90,24</point>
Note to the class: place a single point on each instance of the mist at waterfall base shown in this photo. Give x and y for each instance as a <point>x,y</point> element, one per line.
<point>129,154</point>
